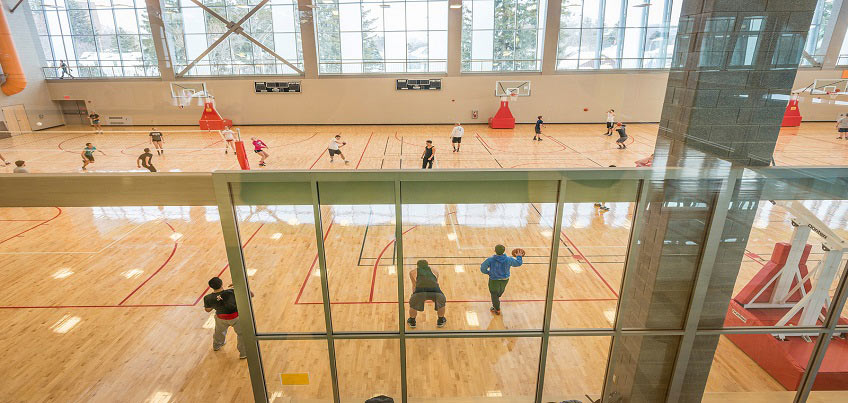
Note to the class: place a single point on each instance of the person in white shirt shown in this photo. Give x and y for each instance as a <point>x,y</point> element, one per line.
<point>456,137</point>
<point>842,126</point>
<point>228,135</point>
<point>335,148</point>
<point>610,122</point>
<point>20,167</point>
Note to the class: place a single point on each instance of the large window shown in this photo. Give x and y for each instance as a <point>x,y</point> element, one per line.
<point>617,34</point>
<point>95,38</point>
<point>363,36</point>
<point>503,35</point>
<point>191,30</point>
<point>815,45</point>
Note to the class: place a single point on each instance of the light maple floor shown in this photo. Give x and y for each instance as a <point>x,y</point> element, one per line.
<point>382,147</point>
<point>102,304</point>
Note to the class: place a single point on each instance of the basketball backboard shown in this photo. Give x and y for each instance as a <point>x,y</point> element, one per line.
<point>187,89</point>
<point>829,86</point>
<point>514,88</point>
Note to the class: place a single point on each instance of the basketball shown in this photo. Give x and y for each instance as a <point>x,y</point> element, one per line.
<point>585,109</point>
<point>518,252</point>
<point>344,143</point>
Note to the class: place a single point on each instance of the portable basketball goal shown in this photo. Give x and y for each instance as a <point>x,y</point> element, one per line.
<point>785,292</point>
<point>184,93</point>
<point>821,88</point>
<point>508,92</point>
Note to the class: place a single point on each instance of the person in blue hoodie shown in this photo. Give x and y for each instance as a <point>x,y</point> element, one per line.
<point>497,268</point>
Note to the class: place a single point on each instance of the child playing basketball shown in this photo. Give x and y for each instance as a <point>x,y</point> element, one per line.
<point>335,146</point>
<point>539,124</point>
<point>610,121</point>
<point>428,156</point>
<point>259,148</point>
<point>95,122</point>
<point>156,139</point>
<point>622,136</point>
<point>88,155</point>
<point>229,138</point>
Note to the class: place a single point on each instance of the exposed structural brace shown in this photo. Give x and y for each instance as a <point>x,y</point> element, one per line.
<point>816,300</point>
<point>234,27</point>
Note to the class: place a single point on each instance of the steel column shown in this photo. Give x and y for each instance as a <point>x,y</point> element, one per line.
<point>235,257</point>
<point>325,289</point>
<point>549,295</point>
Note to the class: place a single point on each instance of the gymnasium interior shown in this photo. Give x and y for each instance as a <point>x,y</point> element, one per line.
<point>447,201</point>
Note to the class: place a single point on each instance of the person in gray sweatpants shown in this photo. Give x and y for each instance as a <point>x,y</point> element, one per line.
<point>223,301</point>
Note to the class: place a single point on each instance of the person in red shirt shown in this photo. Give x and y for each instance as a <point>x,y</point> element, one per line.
<point>223,301</point>
<point>259,148</point>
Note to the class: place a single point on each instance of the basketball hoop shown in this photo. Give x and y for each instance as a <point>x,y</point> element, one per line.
<point>512,95</point>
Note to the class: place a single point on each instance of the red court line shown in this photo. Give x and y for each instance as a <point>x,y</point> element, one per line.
<point>228,265</point>
<point>72,138</point>
<point>134,145</point>
<point>173,251</point>
<point>364,149</point>
<point>34,226</point>
<point>92,306</point>
<point>317,159</point>
<point>295,142</point>
<point>469,300</point>
<point>377,263</point>
<point>583,257</point>
<point>305,280</point>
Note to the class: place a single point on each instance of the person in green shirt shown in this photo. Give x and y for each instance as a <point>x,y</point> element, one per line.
<point>425,285</point>
<point>88,155</point>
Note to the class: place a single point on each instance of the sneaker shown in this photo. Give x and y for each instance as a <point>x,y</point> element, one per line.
<point>441,322</point>
<point>226,151</point>
<point>604,208</point>
<point>495,311</point>
<point>262,164</point>
<point>411,322</point>
<point>597,204</point>
<point>331,160</point>
<point>347,162</point>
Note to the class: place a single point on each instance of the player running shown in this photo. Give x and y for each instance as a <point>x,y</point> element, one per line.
<point>229,138</point>
<point>157,141</point>
<point>88,155</point>
<point>146,160</point>
<point>259,147</point>
<point>95,122</point>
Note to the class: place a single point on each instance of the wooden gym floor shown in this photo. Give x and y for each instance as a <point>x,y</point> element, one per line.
<point>103,304</point>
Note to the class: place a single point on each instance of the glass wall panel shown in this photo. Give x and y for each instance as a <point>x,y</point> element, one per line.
<point>766,290</point>
<point>359,248</point>
<point>368,368</point>
<point>124,41</point>
<point>296,370</point>
<point>503,35</point>
<point>191,30</point>
<point>113,290</point>
<point>281,260</point>
<point>376,37</point>
<point>498,369</point>
<point>750,367</point>
<point>640,368</point>
<point>457,242</point>
<point>592,252</point>
<point>575,368</point>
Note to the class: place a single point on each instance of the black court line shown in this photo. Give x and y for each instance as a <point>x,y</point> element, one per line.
<point>364,237</point>
<point>477,136</point>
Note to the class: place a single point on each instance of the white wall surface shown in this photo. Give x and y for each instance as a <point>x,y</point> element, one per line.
<point>636,96</point>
